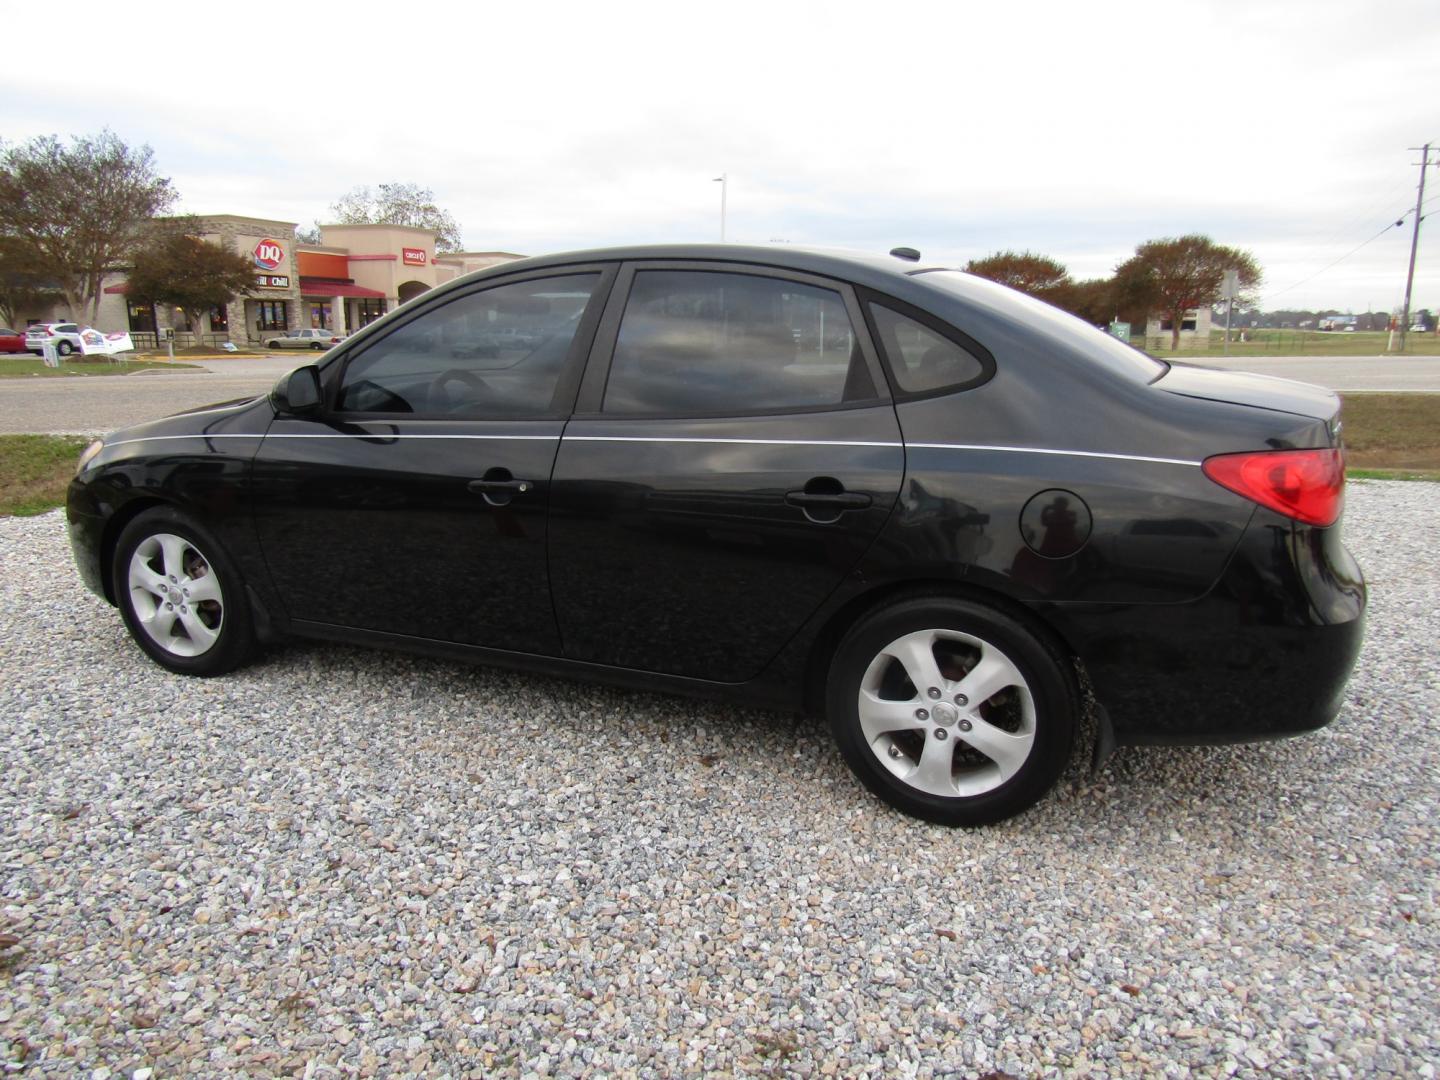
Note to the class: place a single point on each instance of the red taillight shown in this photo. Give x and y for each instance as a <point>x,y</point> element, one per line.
<point>1307,485</point>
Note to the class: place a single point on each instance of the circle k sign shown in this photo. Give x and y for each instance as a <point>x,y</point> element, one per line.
<point>269,254</point>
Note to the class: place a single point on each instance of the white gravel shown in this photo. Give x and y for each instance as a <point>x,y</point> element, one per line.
<point>340,862</point>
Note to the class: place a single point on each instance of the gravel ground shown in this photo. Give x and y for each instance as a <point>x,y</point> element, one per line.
<point>340,862</point>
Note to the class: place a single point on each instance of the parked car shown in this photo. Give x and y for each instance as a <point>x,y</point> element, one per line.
<point>907,498</point>
<point>12,341</point>
<point>305,339</point>
<point>64,335</point>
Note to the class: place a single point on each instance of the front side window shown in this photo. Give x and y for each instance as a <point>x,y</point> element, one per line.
<point>696,342</point>
<point>496,353</point>
<point>921,359</point>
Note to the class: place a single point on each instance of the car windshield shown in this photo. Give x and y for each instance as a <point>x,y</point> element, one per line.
<point>1102,347</point>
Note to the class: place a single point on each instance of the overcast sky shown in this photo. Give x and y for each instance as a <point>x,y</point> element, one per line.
<point>1075,130</point>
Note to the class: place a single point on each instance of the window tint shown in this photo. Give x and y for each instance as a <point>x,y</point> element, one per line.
<point>921,359</point>
<point>695,342</point>
<point>496,353</point>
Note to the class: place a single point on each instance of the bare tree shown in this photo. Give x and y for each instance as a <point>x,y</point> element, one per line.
<point>177,267</point>
<point>399,204</point>
<point>1180,274</point>
<point>78,207</point>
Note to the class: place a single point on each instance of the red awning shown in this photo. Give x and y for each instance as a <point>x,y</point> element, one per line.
<point>335,288</point>
<point>116,290</point>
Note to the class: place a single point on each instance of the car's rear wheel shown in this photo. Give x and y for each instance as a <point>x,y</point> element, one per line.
<point>272,344</point>
<point>181,596</point>
<point>951,711</point>
<point>316,345</point>
<point>64,348</point>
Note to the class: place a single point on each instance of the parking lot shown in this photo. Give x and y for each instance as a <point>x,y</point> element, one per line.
<point>337,862</point>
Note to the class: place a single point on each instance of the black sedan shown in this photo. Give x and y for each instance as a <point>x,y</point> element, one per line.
<point>913,500</point>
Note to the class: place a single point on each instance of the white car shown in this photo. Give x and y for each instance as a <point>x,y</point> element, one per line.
<point>305,339</point>
<point>65,336</point>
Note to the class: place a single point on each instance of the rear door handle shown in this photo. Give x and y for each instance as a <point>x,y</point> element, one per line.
<point>844,500</point>
<point>499,487</point>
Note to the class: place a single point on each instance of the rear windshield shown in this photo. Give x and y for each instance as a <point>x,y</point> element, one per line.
<point>1104,348</point>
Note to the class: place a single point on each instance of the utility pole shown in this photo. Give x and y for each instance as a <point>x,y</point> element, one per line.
<point>1414,243</point>
<point>724,181</point>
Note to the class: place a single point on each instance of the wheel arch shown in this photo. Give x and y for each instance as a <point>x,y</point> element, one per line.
<point>111,537</point>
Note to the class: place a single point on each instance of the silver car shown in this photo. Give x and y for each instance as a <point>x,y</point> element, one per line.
<point>305,339</point>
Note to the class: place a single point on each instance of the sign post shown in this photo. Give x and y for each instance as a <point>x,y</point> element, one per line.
<point>48,353</point>
<point>1228,288</point>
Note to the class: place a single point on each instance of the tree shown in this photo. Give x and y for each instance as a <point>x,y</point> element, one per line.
<point>1026,271</point>
<point>78,207</point>
<point>1179,274</point>
<point>176,267</point>
<point>399,204</point>
<point>24,284</point>
<point>1092,300</point>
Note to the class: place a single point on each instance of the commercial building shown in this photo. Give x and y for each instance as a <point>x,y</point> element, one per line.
<point>352,277</point>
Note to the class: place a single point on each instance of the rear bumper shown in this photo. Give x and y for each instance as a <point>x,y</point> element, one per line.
<point>1265,654</point>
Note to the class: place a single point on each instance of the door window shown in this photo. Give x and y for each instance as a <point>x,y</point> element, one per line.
<point>496,353</point>
<point>702,342</point>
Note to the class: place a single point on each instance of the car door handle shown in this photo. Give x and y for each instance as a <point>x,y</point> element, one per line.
<point>499,487</point>
<point>844,500</point>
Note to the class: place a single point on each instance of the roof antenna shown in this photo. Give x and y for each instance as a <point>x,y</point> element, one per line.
<point>908,254</point>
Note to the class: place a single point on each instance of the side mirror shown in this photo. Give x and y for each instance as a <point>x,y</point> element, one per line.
<point>298,393</point>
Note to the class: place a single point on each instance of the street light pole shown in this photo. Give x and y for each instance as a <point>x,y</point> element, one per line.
<point>1414,243</point>
<point>724,181</point>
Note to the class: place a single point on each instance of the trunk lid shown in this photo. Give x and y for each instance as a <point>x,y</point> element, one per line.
<point>1257,391</point>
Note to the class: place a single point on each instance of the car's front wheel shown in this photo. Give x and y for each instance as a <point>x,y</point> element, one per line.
<point>951,711</point>
<point>181,596</point>
<point>64,348</point>
<point>273,345</point>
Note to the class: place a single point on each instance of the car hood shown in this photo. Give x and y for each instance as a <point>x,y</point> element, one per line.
<point>198,420</point>
<point>1244,388</point>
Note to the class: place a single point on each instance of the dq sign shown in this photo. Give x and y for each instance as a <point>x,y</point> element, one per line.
<point>269,254</point>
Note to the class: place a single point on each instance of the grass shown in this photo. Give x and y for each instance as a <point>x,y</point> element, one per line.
<point>35,470</point>
<point>1302,343</point>
<point>25,367</point>
<point>1387,437</point>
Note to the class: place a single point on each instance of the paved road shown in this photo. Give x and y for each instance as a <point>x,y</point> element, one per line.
<point>1353,373</point>
<point>103,403</point>
<point>99,404</point>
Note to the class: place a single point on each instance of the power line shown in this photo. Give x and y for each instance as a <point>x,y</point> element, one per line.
<point>1337,262</point>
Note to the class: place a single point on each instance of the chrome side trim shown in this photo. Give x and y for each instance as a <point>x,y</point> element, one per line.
<point>686,439</point>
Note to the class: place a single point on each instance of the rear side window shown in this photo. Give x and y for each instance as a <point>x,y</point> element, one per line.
<point>696,342</point>
<point>921,359</point>
<point>497,353</point>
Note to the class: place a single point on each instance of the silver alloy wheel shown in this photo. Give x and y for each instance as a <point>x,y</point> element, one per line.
<point>947,713</point>
<point>175,594</point>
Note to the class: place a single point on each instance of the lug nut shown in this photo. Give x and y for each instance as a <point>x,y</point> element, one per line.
<point>922,714</point>
<point>894,751</point>
<point>172,577</point>
<point>169,607</point>
<point>941,734</point>
<point>934,691</point>
<point>965,725</point>
<point>961,699</point>
<point>187,593</point>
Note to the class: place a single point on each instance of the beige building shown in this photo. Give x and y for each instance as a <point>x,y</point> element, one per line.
<point>1194,331</point>
<point>355,274</point>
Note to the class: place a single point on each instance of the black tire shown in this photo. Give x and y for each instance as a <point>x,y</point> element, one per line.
<point>64,348</point>
<point>272,345</point>
<point>1037,709</point>
<point>317,346</point>
<point>228,616</point>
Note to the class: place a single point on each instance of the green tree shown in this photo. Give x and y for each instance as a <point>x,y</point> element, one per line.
<point>399,204</point>
<point>77,207</point>
<point>24,284</point>
<point>1036,275</point>
<point>1092,299</point>
<point>177,267</point>
<point>1180,274</point>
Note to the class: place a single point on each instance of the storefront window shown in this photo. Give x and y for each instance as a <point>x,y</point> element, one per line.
<point>368,310</point>
<point>271,315</point>
<point>319,315</point>
<point>219,319</point>
<point>142,317</point>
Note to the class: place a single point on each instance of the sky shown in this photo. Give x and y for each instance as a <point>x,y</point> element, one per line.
<point>1073,130</point>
